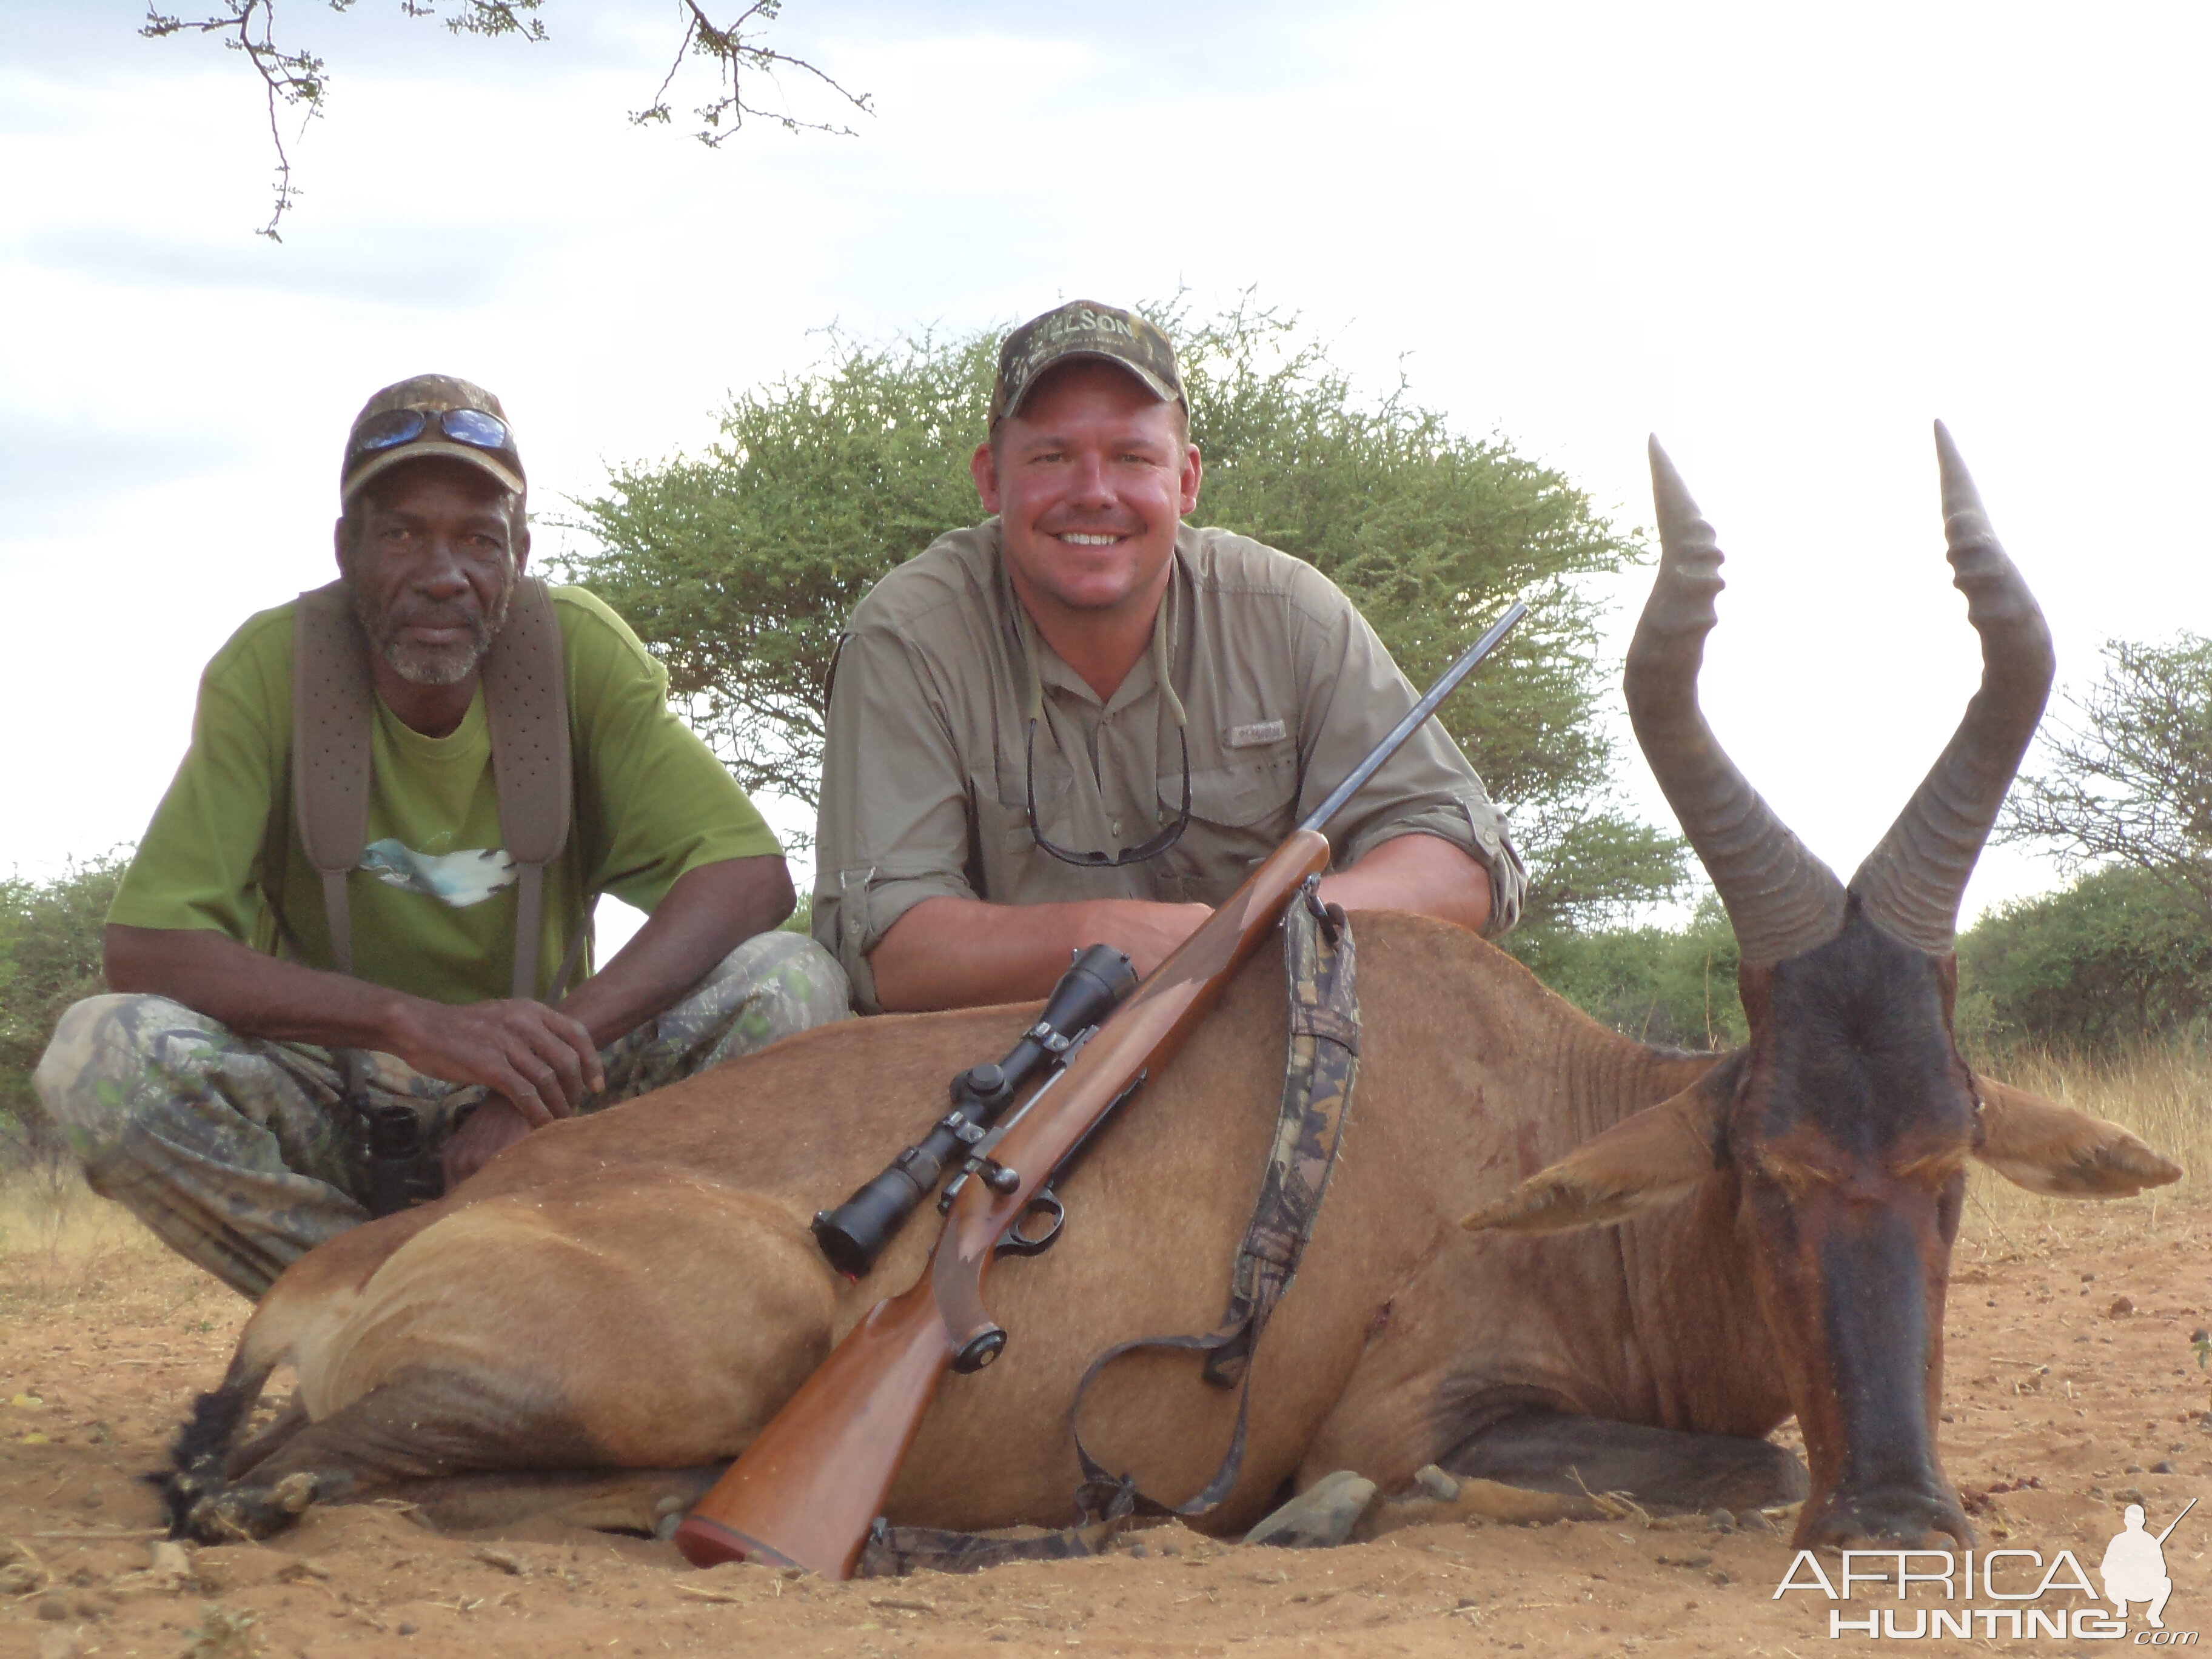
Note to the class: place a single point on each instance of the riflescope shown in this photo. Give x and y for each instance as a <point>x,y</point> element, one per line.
<point>854,1233</point>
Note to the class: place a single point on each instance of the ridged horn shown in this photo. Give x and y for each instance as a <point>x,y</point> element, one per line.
<point>1912,883</point>
<point>1782,900</point>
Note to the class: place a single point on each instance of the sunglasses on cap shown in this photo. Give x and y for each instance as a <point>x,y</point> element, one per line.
<point>396,426</point>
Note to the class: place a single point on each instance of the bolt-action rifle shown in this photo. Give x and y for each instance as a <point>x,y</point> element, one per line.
<point>808,1489</point>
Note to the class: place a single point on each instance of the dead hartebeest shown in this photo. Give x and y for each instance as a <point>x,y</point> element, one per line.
<point>1689,1243</point>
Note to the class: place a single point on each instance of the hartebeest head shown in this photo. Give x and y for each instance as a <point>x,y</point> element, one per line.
<point>1847,1121</point>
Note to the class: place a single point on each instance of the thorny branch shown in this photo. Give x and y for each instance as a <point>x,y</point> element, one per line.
<point>733,54</point>
<point>295,78</point>
<point>2129,782</point>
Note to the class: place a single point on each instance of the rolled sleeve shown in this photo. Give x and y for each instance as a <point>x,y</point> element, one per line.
<point>893,828</point>
<point>1355,695</point>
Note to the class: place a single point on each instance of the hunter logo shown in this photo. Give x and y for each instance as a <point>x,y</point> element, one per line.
<point>1259,732</point>
<point>2027,1591</point>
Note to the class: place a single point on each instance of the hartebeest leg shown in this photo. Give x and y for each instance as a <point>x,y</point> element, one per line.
<point>596,1326</point>
<point>1660,1468</point>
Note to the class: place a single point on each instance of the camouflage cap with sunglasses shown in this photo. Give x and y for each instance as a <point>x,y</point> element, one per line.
<point>1082,328</point>
<point>430,415</point>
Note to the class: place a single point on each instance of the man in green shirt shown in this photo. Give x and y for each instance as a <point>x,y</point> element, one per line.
<point>210,1092</point>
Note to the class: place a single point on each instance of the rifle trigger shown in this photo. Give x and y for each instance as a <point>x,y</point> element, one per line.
<point>1046,1203</point>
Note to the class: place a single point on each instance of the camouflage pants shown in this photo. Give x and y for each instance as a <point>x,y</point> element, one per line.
<point>234,1150</point>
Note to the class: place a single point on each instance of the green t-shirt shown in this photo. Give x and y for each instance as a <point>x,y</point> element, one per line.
<point>434,900</point>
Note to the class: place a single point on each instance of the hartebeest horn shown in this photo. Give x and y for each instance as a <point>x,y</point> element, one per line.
<point>1781,900</point>
<point>1912,883</point>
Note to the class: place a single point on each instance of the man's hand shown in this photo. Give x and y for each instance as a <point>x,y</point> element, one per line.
<point>490,1130</point>
<point>540,1060</point>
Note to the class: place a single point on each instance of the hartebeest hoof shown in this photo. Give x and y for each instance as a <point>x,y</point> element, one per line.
<point>241,1513</point>
<point>1320,1517</point>
<point>1885,1520</point>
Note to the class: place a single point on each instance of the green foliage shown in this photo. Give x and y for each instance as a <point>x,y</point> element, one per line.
<point>738,566</point>
<point>49,935</point>
<point>1676,986</point>
<point>739,569</point>
<point>2118,956</point>
<point>2126,782</point>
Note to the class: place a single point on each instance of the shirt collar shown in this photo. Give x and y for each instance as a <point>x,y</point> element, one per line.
<point>1043,667</point>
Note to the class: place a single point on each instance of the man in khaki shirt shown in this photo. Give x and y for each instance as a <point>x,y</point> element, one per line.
<point>1084,721</point>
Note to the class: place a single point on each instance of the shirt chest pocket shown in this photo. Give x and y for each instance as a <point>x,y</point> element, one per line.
<point>1239,813</point>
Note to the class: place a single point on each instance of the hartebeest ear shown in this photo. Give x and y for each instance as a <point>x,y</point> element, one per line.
<point>1652,1158</point>
<point>2062,1153</point>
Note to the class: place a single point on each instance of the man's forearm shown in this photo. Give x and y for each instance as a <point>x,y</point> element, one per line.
<point>1424,873</point>
<point>253,995</point>
<point>708,914</point>
<point>965,953</point>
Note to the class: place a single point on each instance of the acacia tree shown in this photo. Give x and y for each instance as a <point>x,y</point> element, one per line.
<point>50,956</point>
<point>2128,781</point>
<point>295,80</point>
<point>738,566</point>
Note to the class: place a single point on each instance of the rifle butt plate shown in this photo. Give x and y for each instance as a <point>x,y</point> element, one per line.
<point>709,1544</point>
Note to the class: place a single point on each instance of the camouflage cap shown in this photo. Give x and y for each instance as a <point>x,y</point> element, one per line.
<point>1082,328</point>
<point>382,437</point>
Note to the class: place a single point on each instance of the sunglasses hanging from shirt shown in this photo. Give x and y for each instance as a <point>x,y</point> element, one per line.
<point>1163,663</point>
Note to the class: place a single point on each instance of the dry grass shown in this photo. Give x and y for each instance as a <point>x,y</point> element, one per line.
<point>60,1246</point>
<point>2163,1093</point>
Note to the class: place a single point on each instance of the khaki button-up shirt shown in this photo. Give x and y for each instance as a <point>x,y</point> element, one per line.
<point>928,763</point>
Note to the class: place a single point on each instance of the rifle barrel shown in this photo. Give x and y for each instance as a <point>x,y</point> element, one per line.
<point>2177,1520</point>
<point>1319,817</point>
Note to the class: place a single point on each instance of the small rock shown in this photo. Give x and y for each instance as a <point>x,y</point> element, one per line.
<point>58,1644</point>
<point>500,1559</point>
<point>52,1607</point>
<point>2133,1468</point>
<point>2088,1279</point>
<point>20,1579</point>
<point>409,1630</point>
<point>1436,1483</point>
<point>1719,1520</point>
<point>2164,1466</point>
<point>2121,1307</point>
<point>1321,1517</point>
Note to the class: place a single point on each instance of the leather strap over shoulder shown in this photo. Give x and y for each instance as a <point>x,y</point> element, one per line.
<point>527,705</point>
<point>333,703</point>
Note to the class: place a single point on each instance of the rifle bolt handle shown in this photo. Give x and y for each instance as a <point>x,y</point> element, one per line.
<point>1000,1179</point>
<point>979,1350</point>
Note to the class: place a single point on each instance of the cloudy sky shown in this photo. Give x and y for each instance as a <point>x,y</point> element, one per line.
<point>1784,238</point>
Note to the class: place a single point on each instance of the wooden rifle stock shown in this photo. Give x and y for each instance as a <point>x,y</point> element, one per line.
<point>809,1488</point>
